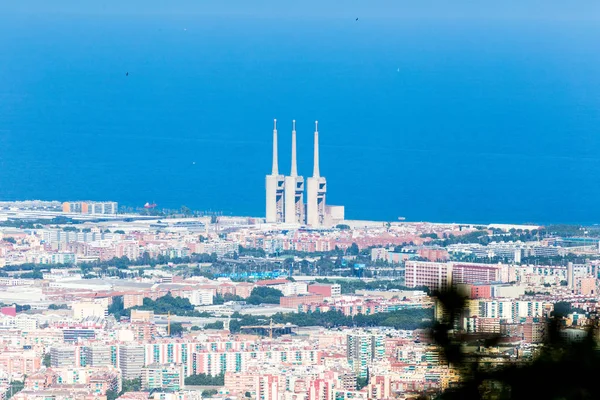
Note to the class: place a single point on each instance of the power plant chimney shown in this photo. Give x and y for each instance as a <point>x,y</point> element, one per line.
<point>294,170</point>
<point>274,187</point>
<point>294,189</point>
<point>316,190</point>
<point>316,156</point>
<point>275,170</point>
<point>285,194</point>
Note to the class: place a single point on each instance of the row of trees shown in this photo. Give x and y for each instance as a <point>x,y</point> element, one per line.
<point>36,224</point>
<point>408,319</point>
<point>124,262</point>
<point>205,380</point>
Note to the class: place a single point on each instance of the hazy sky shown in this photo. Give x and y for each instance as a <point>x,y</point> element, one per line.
<point>477,9</point>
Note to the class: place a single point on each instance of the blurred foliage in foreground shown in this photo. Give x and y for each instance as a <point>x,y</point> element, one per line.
<point>562,370</point>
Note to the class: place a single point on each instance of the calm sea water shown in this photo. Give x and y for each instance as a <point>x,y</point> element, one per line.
<point>426,119</point>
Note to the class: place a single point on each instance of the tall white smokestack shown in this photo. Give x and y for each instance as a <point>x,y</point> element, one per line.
<point>294,189</point>
<point>316,156</point>
<point>294,170</point>
<point>274,187</point>
<point>275,170</point>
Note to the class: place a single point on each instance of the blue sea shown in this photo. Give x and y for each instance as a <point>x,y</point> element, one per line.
<point>457,115</point>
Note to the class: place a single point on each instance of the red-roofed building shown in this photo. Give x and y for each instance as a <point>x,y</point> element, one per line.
<point>226,289</point>
<point>272,282</point>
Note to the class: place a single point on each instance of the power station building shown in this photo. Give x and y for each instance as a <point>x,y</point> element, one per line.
<point>285,194</point>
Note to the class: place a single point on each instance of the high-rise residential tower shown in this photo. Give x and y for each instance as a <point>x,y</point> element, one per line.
<point>316,190</point>
<point>275,187</point>
<point>131,361</point>
<point>294,189</point>
<point>362,349</point>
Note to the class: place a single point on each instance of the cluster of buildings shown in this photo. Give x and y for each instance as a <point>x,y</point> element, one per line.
<point>56,246</point>
<point>91,207</point>
<point>314,364</point>
<point>173,238</point>
<point>510,251</point>
<point>80,351</point>
<point>573,279</point>
<point>71,344</point>
<point>361,303</point>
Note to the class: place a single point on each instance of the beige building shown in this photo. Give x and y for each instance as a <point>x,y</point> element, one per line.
<point>86,309</point>
<point>20,362</point>
<point>133,300</point>
<point>141,316</point>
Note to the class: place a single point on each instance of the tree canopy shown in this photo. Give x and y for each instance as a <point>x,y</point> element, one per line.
<point>408,319</point>
<point>264,295</point>
<point>205,380</point>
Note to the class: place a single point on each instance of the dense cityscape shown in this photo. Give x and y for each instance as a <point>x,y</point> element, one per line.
<point>101,301</point>
<point>314,200</point>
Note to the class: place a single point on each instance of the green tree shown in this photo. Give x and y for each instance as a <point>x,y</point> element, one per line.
<point>15,387</point>
<point>46,361</point>
<point>111,394</point>
<point>175,305</point>
<point>562,308</point>
<point>209,393</point>
<point>131,385</point>
<point>58,307</point>
<point>176,328</point>
<point>221,299</point>
<point>353,250</point>
<point>117,308</point>
<point>430,235</point>
<point>264,295</point>
<point>361,383</point>
<point>205,380</point>
<point>214,325</point>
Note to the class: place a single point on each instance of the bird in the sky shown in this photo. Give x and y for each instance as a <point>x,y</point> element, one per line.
<point>126,73</point>
<point>357,19</point>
